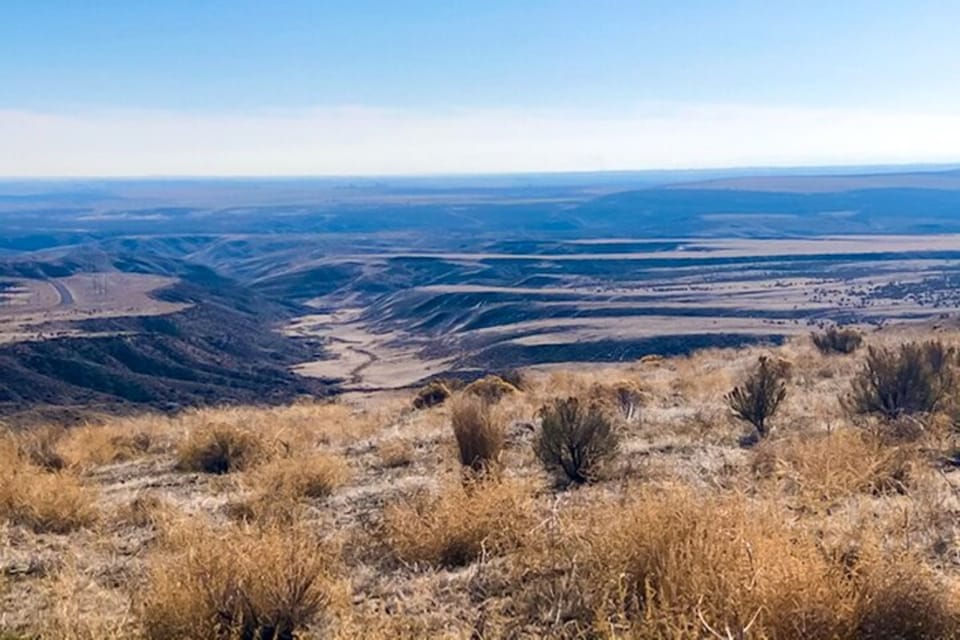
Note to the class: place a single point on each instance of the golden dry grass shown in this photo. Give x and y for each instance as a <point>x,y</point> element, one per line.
<point>46,501</point>
<point>460,523</point>
<point>835,527</point>
<point>479,428</point>
<point>244,582</point>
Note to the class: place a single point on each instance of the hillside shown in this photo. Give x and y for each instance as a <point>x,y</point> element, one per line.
<point>354,518</point>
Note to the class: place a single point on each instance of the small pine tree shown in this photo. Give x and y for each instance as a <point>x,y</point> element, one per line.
<point>759,397</point>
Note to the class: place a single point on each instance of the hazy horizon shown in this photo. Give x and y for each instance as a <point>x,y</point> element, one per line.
<point>393,89</point>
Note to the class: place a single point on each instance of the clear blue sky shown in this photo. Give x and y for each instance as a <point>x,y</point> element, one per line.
<point>197,61</point>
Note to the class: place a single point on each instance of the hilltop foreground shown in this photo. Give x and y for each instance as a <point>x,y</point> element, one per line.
<point>355,518</point>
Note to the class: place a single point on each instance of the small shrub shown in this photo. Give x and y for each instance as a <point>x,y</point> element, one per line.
<point>265,584</point>
<point>433,394</point>
<point>490,388</point>
<point>220,449</point>
<point>480,433</point>
<point>575,440</point>
<point>836,340</point>
<point>759,397</point>
<point>455,527</point>
<point>916,378</point>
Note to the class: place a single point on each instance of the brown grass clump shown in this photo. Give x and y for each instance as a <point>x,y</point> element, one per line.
<point>44,501</point>
<point>221,448</point>
<point>102,444</point>
<point>916,378</point>
<point>460,524</point>
<point>760,395</point>
<point>40,447</point>
<point>480,432</point>
<point>302,476</point>
<point>433,394</point>
<point>490,388</point>
<point>259,583</point>
<point>575,440</point>
<point>822,468</point>
<point>836,340</point>
<point>674,564</point>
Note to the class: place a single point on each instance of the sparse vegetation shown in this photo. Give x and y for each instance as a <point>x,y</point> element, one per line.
<point>760,395</point>
<point>837,340</point>
<point>575,440</point>
<point>915,378</point>
<point>352,519</point>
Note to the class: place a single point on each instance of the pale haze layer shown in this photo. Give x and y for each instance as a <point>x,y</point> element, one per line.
<point>393,88</point>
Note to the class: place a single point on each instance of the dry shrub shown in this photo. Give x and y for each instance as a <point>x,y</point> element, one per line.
<point>490,388</point>
<point>480,432</point>
<point>836,340</point>
<point>395,453</point>
<point>822,468</point>
<point>221,448</point>
<point>432,394</point>
<point>461,523</point>
<point>248,583</point>
<point>669,564</point>
<point>576,440</point>
<point>760,395</point>
<point>916,378</point>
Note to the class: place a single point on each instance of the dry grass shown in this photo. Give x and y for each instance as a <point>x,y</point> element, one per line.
<point>395,453</point>
<point>461,523</point>
<point>823,468</point>
<point>45,501</point>
<point>244,582</point>
<point>672,564</point>
<point>222,448</point>
<point>304,476</point>
<point>480,431</point>
<point>835,526</point>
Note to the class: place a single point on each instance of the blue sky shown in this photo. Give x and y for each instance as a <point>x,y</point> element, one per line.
<point>176,87</point>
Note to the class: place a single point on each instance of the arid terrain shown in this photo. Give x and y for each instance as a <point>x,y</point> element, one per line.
<point>354,518</point>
